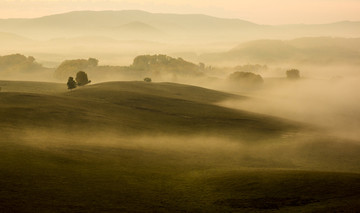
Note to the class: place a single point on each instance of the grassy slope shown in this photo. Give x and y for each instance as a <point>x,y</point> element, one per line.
<point>137,108</point>
<point>47,171</point>
<point>31,87</point>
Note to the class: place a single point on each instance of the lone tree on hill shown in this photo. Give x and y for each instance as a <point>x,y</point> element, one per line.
<point>293,74</point>
<point>71,83</point>
<point>147,79</point>
<point>82,78</point>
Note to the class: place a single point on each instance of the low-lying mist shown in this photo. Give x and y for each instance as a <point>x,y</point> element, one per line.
<point>305,151</point>
<point>333,104</point>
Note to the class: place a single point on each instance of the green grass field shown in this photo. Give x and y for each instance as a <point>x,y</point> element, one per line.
<point>163,147</point>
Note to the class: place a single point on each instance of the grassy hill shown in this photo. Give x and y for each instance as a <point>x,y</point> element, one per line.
<point>138,107</point>
<point>162,147</point>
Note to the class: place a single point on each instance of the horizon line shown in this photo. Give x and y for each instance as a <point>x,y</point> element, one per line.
<point>167,13</point>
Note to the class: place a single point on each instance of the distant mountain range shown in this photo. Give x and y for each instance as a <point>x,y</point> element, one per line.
<point>119,36</point>
<point>309,50</point>
<point>133,24</point>
<point>6,38</point>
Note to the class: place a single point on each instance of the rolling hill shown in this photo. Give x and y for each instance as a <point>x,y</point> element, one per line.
<point>162,147</point>
<point>137,108</point>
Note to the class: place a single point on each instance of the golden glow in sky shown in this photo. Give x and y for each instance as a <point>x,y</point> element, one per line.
<point>258,11</point>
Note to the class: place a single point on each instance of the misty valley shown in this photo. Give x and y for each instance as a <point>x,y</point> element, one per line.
<point>131,111</point>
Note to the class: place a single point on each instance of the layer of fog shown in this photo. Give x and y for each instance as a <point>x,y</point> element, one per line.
<point>109,51</point>
<point>324,97</point>
<point>305,152</point>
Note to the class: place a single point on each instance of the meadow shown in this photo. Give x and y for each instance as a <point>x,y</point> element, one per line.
<point>133,146</point>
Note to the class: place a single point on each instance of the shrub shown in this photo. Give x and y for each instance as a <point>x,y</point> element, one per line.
<point>71,84</point>
<point>147,79</point>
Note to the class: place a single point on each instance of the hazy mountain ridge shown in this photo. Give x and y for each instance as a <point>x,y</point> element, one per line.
<point>118,36</point>
<point>6,38</point>
<point>317,50</point>
<point>105,23</point>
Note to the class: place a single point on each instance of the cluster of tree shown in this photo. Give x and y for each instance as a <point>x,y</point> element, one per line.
<point>293,74</point>
<point>71,67</point>
<point>251,80</point>
<point>251,68</point>
<point>142,66</point>
<point>81,80</point>
<point>245,79</point>
<point>160,64</point>
<point>18,63</point>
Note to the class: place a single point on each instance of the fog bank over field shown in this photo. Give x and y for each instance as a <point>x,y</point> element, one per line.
<point>304,151</point>
<point>131,111</point>
<point>243,63</point>
<point>332,104</point>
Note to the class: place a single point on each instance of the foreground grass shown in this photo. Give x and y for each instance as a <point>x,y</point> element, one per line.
<point>112,179</point>
<point>137,147</point>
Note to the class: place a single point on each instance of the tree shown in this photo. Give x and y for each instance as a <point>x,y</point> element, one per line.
<point>82,78</point>
<point>293,74</point>
<point>71,83</point>
<point>201,66</point>
<point>93,62</point>
<point>147,79</point>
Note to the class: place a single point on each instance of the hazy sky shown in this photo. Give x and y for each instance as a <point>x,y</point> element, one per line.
<point>258,11</point>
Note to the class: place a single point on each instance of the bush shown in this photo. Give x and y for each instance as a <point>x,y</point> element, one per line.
<point>293,74</point>
<point>71,83</point>
<point>147,80</point>
<point>82,78</point>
